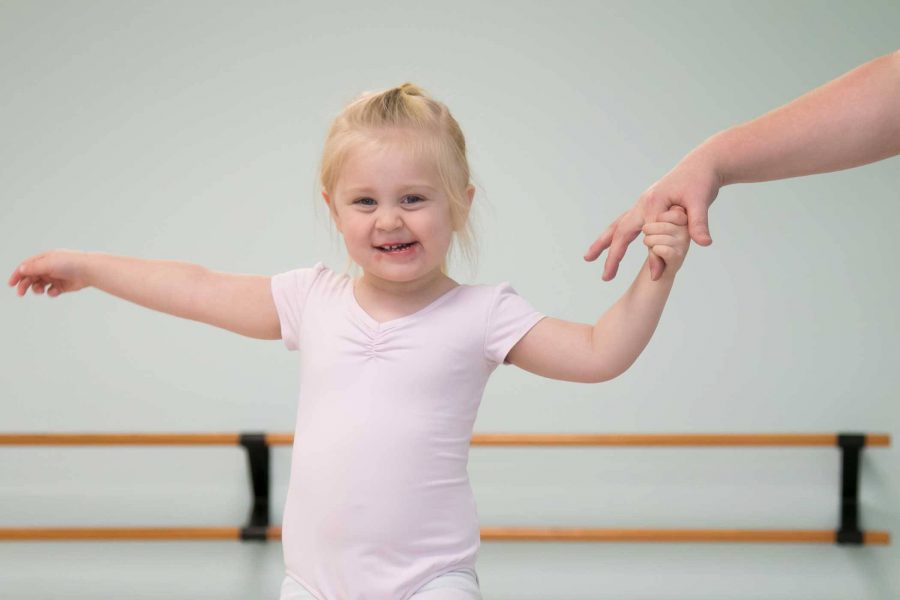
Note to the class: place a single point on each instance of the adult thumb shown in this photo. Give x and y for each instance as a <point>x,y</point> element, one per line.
<point>698,226</point>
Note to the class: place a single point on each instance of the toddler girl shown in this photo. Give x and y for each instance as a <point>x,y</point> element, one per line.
<point>392,363</point>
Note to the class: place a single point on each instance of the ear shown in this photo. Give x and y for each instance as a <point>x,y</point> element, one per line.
<point>470,194</point>
<point>332,211</point>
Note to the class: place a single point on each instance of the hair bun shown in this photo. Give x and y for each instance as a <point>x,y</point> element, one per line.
<point>411,89</point>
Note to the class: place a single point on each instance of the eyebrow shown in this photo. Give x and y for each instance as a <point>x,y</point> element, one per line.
<point>368,190</point>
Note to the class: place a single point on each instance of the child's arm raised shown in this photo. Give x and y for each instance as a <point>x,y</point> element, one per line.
<point>583,353</point>
<point>239,303</point>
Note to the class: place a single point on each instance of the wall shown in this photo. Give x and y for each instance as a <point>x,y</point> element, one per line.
<point>192,131</point>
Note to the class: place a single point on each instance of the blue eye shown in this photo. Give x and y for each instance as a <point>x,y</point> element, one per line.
<point>362,200</point>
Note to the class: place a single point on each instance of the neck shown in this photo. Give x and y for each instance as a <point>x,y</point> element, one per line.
<point>422,286</point>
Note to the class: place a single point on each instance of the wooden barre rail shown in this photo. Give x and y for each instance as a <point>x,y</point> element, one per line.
<point>511,534</point>
<point>478,439</point>
<point>258,445</point>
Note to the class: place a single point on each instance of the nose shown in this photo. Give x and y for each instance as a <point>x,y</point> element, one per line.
<point>388,218</point>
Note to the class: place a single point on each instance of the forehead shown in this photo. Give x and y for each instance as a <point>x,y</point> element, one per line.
<point>387,161</point>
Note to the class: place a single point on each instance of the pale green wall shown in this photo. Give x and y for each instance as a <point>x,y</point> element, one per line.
<point>191,131</point>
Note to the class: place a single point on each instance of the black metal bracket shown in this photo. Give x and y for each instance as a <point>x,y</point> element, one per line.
<point>258,461</point>
<point>851,445</point>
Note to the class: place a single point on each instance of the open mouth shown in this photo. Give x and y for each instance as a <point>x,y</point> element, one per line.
<point>396,248</point>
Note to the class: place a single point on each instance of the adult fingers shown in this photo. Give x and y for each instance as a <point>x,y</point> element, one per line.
<point>603,242</point>
<point>626,231</point>
<point>628,228</point>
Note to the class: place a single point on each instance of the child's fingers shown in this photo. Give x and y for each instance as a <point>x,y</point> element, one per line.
<point>667,253</point>
<point>656,240</point>
<point>674,215</point>
<point>35,284</point>
<point>23,286</point>
<point>660,227</point>
<point>657,266</point>
<point>18,275</point>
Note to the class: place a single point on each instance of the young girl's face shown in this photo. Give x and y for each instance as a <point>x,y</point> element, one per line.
<point>385,195</point>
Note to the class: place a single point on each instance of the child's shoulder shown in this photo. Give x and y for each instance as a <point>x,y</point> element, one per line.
<point>502,288</point>
<point>316,270</point>
<point>299,281</point>
<point>490,294</point>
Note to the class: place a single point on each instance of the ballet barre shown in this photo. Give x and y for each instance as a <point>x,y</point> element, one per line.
<point>257,446</point>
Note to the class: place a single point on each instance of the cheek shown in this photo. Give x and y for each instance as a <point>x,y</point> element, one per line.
<point>443,228</point>
<point>427,231</point>
<point>353,227</point>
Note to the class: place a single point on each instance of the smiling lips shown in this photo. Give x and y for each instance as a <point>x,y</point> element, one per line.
<point>387,244</point>
<point>401,248</point>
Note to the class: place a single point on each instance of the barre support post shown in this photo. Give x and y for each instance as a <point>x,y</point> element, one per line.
<point>851,445</point>
<point>258,461</point>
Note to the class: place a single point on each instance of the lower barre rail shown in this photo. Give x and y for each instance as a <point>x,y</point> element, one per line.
<point>258,445</point>
<point>508,534</point>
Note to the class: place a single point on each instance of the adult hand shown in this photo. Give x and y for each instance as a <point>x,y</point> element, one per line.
<point>693,184</point>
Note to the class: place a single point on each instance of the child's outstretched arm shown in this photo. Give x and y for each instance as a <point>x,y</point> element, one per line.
<point>239,303</point>
<point>579,352</point>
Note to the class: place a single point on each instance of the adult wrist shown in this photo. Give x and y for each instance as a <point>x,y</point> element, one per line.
<point>713,153</point>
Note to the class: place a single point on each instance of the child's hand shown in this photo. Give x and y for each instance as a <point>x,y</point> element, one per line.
<point>668,238</point>
<point>61,269</point>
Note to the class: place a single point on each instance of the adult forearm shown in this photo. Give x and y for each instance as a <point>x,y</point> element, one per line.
<point>850,121</point>
<point>624,330</point>
<point>164,285</point>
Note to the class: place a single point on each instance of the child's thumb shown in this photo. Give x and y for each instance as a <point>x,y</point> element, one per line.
<point>657,266</point>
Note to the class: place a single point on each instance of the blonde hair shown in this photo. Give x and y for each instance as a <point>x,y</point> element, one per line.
<point>407,107</point>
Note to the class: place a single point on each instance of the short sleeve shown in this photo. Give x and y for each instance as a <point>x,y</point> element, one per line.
<point>509,319</point>
<point>289,291</point>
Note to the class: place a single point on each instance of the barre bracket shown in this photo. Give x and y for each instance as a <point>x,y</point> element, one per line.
<point>258,461</point>
<point>851,445</point>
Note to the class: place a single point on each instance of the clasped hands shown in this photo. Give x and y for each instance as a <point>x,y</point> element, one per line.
<point>682,197</point>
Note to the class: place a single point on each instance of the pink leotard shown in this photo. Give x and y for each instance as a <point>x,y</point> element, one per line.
<point>379,501</point>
